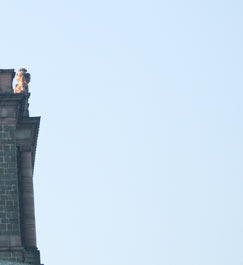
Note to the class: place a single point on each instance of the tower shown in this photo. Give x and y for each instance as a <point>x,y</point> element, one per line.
<point>18,139</point>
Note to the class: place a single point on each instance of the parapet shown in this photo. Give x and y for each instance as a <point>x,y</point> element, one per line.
<point>6,80</point>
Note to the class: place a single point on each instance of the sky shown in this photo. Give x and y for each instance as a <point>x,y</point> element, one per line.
<point>140,149</point>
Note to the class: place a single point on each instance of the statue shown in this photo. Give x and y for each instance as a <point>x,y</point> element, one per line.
<point>23,79</point>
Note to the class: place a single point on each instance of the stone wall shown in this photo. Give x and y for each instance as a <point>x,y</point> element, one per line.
<point>13,256</point>
<point>9,208</point>
<point>18,137</point>
<point>10,235</point>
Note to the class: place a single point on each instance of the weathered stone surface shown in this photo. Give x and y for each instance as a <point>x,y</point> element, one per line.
<point>9,201</point>
<point>18,137</point>
<point>23,79</point>
<point>6,79</point>
<point>11,263</point>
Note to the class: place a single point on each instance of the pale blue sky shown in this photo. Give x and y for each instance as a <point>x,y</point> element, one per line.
<point>139,159</point>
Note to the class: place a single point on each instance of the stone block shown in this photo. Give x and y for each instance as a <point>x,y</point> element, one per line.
<point>7,112</point>
<point>6,80</point>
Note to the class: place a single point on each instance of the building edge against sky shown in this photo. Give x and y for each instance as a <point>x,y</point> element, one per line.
<point>18,140</point>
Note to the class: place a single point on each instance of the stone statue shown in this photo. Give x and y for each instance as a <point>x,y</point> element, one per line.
<point>23,79</point>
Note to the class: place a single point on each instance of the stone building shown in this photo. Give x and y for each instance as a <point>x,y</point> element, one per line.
<point>18,139</point>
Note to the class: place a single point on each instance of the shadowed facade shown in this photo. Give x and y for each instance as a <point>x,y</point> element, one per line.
<point>18,139</point>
